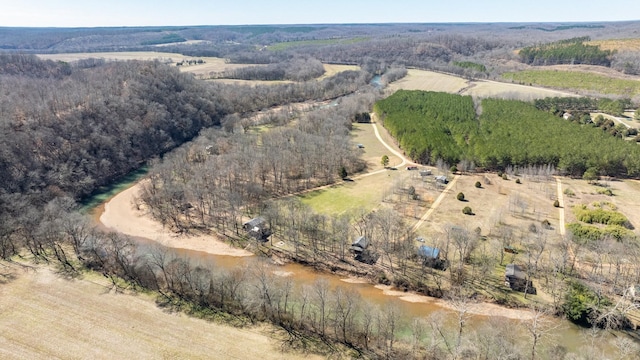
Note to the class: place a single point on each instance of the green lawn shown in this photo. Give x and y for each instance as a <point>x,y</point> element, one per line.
<point>576,80</point>
<point>364,193</point>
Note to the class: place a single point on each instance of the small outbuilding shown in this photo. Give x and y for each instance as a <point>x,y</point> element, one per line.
<point>431,257</point>
<point>257,228</point>
<point>516,279</point>
<point>360,245</point>
<point>442,179</point>
<point>428,252</point>
<point>425,172</point>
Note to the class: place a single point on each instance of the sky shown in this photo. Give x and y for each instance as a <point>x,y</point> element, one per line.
<point>97,13</point>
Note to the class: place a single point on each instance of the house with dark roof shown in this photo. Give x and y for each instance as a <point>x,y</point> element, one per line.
<point>257,228</point>
<point>516,279</point>
<point>359,245</point>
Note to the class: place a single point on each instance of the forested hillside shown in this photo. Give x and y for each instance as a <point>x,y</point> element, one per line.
<point>67,130</point>
<point>432,126</point>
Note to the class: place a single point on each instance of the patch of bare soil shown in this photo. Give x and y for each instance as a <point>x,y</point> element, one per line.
<point>121,215</point>
<point>44,316</point>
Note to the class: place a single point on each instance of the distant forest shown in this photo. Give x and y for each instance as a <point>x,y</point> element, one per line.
<point>491,48</point>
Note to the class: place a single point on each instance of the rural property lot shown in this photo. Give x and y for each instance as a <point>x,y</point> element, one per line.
<point>43,316</point>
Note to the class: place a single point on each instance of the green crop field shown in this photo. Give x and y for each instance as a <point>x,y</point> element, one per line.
<point>576,80</point>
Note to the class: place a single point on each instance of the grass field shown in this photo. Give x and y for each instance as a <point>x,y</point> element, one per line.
<point>433,81</point>
<point>428,81</point>
<point>576,80</point>
<point>617,44</point>
<point>46,316</point>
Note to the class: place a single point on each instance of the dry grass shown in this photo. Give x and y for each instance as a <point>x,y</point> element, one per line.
<point>332,69</point>
<point>617,44</point>
<point>428,81</point>
<point>625,197</point>
<point>495,89</point>
<point>45,316</point>
<point>113,56</point>
<point>433,81</point>
<point>493,205</point>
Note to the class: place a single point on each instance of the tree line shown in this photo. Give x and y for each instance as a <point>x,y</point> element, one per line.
<point>570,51</point>
<point>506,133</point>
<point>299,69</point>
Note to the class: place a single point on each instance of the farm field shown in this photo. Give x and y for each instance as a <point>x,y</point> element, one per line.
<point>433,81</point>
<point>210,65</point>
<point>617,44</point>
<point>487,88</point>
<point>428,81</point>
<point>578,80</point>
<point>45,316</point>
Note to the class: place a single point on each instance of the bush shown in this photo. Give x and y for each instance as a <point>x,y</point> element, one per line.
<point>460,196</point>
<point>556,204</point>
<point>518,181</point>
<point>505,177</point>
<point>478,184</point>
<point>454,169</point>
<point>546,224</point>
<point>467,211</point>
<point>607,192</point>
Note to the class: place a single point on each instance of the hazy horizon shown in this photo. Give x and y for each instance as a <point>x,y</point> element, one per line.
<point>140,13</point>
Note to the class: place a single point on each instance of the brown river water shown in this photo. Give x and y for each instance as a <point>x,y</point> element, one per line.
<point>566,334</point>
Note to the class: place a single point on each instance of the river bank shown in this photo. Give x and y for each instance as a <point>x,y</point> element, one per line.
<point>122,215</point>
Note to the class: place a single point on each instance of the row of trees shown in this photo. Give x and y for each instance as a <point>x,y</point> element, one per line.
<point>559,105</point>
<point>299,69</point>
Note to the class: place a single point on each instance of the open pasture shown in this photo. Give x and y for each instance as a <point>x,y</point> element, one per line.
<point>428,81</point>
<point>577,80</point>
<point>434,81</point>
<point>617,44</point>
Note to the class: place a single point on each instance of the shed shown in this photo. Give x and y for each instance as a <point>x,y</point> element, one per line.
<point>428,252</point>
<point>441,179</point>
<point>360,244</point>
<point>257,228</point>
<point>424,173</point>
<point>516,279</point>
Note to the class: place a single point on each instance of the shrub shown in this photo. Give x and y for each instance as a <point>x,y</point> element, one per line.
<point>454,169</point>
<point>607,192</point>
<point>460,196</point>
<point>505,177</point>
<point>467,211</point>
<point>556,203</point>
<point>533,228</point>
<point>569,192</point>
<point>546,224</point>
<point>518,181</point>
<point>478,184</point>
